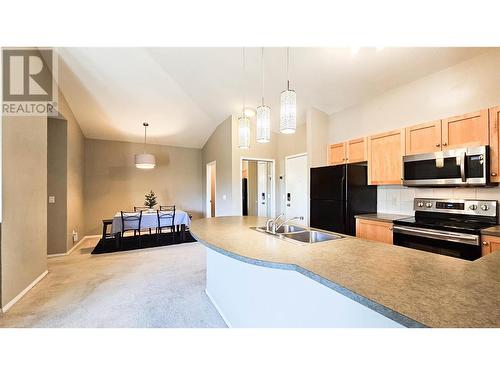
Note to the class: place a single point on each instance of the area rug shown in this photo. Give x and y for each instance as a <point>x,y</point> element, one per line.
<point>109,245</point>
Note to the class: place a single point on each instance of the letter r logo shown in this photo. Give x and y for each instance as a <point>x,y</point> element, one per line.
<point>27,75</point>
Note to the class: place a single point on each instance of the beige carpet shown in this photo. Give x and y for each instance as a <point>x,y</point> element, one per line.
<point>159,287</point>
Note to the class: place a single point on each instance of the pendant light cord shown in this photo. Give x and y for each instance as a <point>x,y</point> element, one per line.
<point>262,70</point>
<point>287,64</point>
<point>145,130</point>
<point>244,86</point>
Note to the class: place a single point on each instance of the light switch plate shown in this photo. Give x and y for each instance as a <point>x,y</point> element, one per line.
<point>52,199</point>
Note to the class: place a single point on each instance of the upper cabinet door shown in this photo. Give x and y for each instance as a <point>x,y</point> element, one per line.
<point>385,158</point>
<point>423,138</point>
<point>494,122</point>
<point>356,150</point>
<point>337,154</point>
<point>466,130</point>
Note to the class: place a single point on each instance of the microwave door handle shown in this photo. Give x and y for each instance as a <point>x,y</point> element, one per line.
<point>462,167</point>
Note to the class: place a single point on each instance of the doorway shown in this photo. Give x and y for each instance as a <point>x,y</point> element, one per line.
<point>296,187</point>
<point>257,187</point>
<point>211,189</point>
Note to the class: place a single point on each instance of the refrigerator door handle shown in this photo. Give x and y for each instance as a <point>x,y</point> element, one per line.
<point>342,183</point>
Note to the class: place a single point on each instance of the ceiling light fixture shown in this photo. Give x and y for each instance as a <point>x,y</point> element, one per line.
<point>288,110</point>
<point>263,112</point>
<point>249,112</point>
<point>144,160</point>
<point>243,120</point>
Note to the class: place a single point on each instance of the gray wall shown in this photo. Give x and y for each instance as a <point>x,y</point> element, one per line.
<point>24,226</point>
<point>218,148</point>
<point>112,183</point>
<point>75,174</point>
<point>57,185</point>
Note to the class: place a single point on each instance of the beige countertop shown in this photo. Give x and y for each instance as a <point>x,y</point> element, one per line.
<point>415,288</point>
<point>492,231</point>
<point>388,218</point>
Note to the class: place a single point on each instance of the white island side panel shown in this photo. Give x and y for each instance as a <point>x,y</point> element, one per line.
<point>248,295</point>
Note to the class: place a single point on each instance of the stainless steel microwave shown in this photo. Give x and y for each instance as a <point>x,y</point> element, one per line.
<point>458,167</point>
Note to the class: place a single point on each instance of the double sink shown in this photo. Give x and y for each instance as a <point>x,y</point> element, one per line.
<point>298,234</point>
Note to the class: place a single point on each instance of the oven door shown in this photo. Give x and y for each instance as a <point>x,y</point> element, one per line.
<point>458,245</point>
<point>464,166</point>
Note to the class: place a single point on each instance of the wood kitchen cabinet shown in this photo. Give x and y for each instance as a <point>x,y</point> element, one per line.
<point>356,150</point>
<point>494,123</point>
<point>489,244</point>
<point>337,154</point>
<point>374,230</point>
<point>466,130</point>
<point>353,151</point>
<point>385,158</point>
<point>423,138</point>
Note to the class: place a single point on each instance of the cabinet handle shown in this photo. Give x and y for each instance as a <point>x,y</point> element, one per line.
<point>493,174</point>
<point>485,243</point>
<point>438,144</point>
<point>390,228</point>
<point>445,144</point>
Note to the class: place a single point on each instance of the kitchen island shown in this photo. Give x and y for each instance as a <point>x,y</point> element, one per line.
<point>258,280</point>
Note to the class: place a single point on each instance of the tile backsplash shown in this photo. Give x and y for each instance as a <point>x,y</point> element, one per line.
<point>396,199</point>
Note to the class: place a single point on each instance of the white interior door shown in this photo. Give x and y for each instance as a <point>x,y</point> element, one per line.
<point>262,189</point>
<point>296,180</point>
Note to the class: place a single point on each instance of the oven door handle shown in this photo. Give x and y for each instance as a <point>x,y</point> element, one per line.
<point>462,166</point>
<point>440,235</point>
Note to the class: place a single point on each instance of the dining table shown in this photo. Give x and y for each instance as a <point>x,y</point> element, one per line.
<point>150,221</point>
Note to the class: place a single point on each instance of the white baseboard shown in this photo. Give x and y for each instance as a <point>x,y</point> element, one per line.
<point>74,247</point>
<point>228,323</point>
<point>20,295</point>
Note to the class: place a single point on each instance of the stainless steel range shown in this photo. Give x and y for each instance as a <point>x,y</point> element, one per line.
<point>447,226</point>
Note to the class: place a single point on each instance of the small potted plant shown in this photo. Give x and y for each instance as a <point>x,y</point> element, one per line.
<point>150,200</point>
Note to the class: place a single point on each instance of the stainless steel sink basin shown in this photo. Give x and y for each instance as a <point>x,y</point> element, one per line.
<point>312,236</point>
<point>285,229</point>
<point>300,235</point>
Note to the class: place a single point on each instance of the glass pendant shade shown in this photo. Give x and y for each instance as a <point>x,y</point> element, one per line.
<point>288,112</point>
<point>263,124</point>
<point>145,161</point>
<point>244,132</point>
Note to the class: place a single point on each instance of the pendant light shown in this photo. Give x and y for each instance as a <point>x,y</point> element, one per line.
<point>288,110</point>
<point>144,160</point>
<point>263,112</point>
<point>243,120</point>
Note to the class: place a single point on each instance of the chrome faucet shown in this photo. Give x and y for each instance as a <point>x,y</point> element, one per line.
<point>276,226</point>
<point>273,222</point>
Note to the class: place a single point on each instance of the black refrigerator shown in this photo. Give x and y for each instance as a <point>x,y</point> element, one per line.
<point>338,193</point>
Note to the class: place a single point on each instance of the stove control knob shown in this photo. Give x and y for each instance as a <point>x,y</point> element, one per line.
<point>473,207</point>
<point>420,204</point>
<point>428,204</point>
<point>484,207</point>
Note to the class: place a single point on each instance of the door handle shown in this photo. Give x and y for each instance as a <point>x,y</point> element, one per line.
<point>462,167</point>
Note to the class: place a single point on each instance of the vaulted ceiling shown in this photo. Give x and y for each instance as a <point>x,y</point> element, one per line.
<point>184,93</point>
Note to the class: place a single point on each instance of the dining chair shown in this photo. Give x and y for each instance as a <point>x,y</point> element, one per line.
<point>166,219</point>
<point>142,208</point>
<point>131,221</point>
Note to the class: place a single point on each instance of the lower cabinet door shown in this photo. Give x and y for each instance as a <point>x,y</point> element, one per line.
<point>374,230</point>
<point>489,244</point>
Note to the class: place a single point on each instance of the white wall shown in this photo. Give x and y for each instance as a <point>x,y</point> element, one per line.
<point>317,123</point>
<point>471,85</point>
